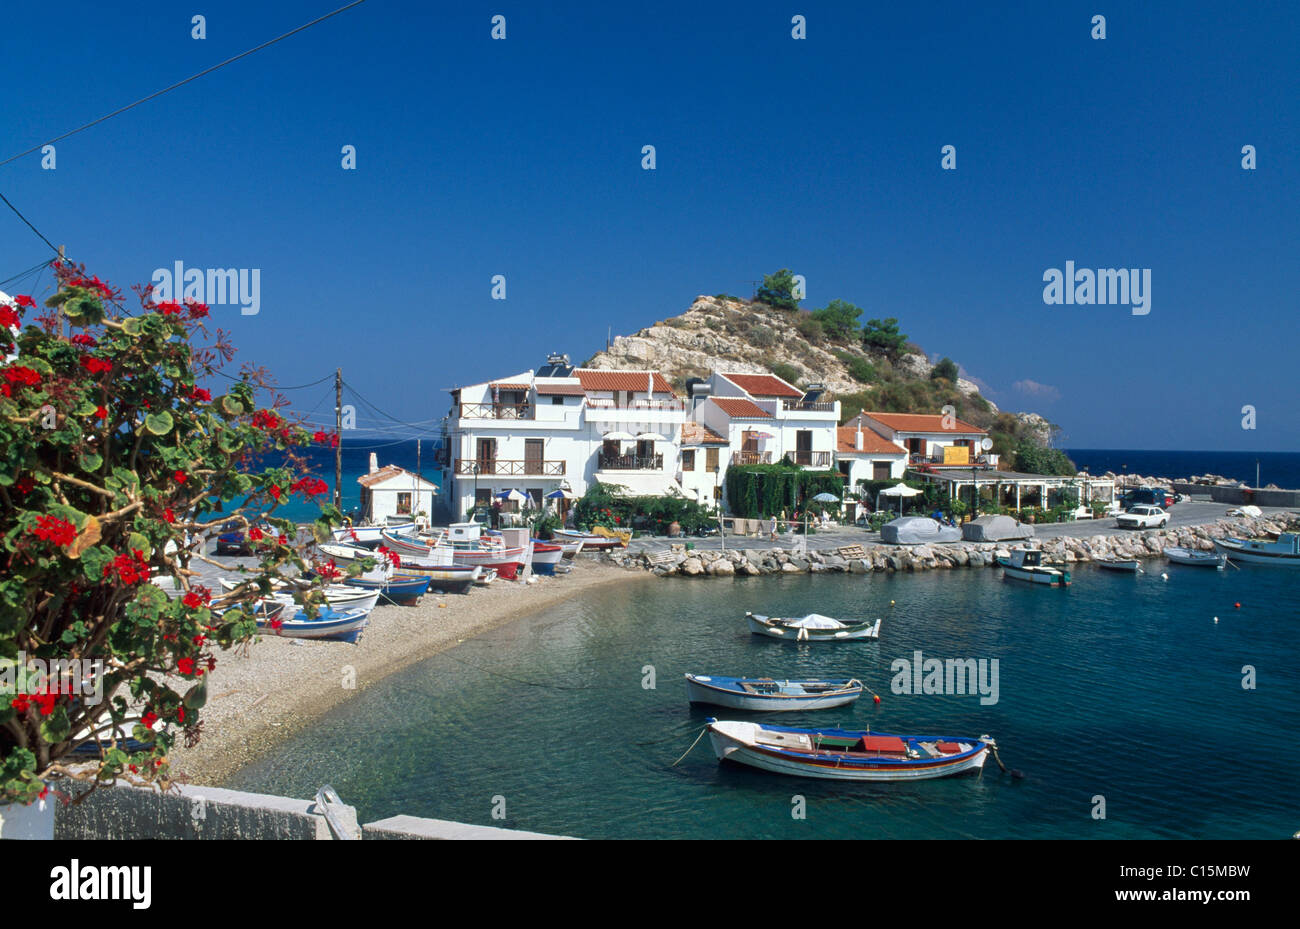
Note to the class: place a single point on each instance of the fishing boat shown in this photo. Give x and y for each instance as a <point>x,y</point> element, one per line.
<point>449,578</point>
<point>765,693</point>
<point>1126,565</point>
<point>1026,564</point>
<point>339,596</point>
<point>1196,559</point>
<point>402,589</point>
<point>471,550</point>
<point>846,754</point>
<point>1285,551</point>
<point>344,555</point>
<point>590,543</point>
<point>329,623</point>
<point>370,536</point>
<point>87,739</point>
<point>546,556</point>
<point>570,547</point>
<point>812,628</point>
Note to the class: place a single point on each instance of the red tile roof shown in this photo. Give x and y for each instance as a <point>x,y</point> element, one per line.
<point>873,443</point>
<point>563,390</point>
<point>763,385</point>
<point>924,422</point>
<point>699,434</point>
<point>593,379</point>
<point>384,474</point>
<point>502,385</point>
<point>740,407</point>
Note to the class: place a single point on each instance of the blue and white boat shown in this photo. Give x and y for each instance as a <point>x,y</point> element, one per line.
<point>404,589</point>
<point>767,694</point>
<point>329,623</point>
<point>545,556</point>
<point>1284,552</point>
<point>846,754</point>
<point>1189,556</point>
<point>812,628</point>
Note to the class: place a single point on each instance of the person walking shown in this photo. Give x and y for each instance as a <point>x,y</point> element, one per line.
<point>496,514</point>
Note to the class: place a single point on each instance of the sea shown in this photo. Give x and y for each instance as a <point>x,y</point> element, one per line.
<point>1280,468</point>
<point>1160,705</point>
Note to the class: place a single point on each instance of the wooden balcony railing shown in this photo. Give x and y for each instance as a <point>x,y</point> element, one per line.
<point>820,406</point>
<point>607,403</point>
<point>811,459</point>
<point>510,467</point>
<point>744,457</point>
<point>631,462</point>
<point>495,411</point>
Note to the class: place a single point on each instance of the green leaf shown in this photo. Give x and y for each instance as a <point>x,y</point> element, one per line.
<point>56,727</point>
<point>91,461</point>
<point>230,441</point>
<point>230,405</point>
<point>196,696</point>
<point>159,423</point>
<point>131,325</point>
<point>138,540</point>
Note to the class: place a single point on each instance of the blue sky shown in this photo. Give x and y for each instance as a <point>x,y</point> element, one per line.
<point>523,157</point>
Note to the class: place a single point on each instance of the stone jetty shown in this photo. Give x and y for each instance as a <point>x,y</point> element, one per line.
<point>870,557</point>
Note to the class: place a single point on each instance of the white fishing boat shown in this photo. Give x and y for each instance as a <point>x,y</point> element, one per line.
<point>768,694</point>
<point>369,536</point>
<point>845,754</point>
<point>1285,552</point>
<point>1027,564</point>
<point>1124,565</point>
<point>338,596</point>
<point>812,628</point>
<point>1188,556</point>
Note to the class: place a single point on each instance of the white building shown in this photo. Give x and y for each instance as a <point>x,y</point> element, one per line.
<point>393,491</point>
<point>775,419</point>
<point>931,439</point>
<point>863,455</point>
<point>561,427</point>
<point>705,456</point>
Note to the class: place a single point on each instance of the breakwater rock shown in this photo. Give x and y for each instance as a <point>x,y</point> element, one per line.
<point>870,558</point>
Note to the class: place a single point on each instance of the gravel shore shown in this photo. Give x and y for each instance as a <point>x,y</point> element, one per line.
<point>260,696</point>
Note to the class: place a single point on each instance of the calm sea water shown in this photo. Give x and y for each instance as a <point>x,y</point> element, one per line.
<point>1121,687</point>
<point>1280,468</point>
<point>356,462</point>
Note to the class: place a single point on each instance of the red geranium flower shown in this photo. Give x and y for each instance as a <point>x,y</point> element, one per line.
<point>21,703</point>
<point>131,569</point>
<point>180,711</point>
<point>186,667</point>
<point>179,476</point>
<point>101,413</point>
<point>275,492</point>
<point>168,308</point>
<point>255,534</point>
<point>149,719</point>
<point>8,317</point>
<point>93,284</point>
<point>169,515</point>
<point>265,419</point>
<point>21,376</point>
<point>197,310</point>
<point>53,529</point>
<point>46,702</point>
<point>82,339</point>
<point>24,300</point>
<point>96,365</point>
<point>192,600</point>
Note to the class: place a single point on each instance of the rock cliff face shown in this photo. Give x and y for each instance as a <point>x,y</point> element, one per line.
<point>724,333</point>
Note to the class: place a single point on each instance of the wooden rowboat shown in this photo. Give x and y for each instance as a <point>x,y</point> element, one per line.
<point>1027,564</point>
<point>1127,565</point>
<point>812,628</point>
<point>764,693</point>
<point>846,754</point>
<point>1188,556</point>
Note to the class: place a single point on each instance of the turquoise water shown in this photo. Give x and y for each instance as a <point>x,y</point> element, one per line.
<point>1120,686</point>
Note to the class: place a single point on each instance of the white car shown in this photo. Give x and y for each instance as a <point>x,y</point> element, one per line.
<point>1143,516</point>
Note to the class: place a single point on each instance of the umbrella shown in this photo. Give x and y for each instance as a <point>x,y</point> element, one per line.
<point>899,490</point>
<point>824,497</point>
<point>513,494</point>
<point>562,494</point>
<point>618,437</point>
<point>650,437</point>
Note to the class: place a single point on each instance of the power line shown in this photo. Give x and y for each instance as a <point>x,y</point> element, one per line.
<point>17,213</point>
<point>23,274</point>
<point>159,93</point>
<point>417,427</point>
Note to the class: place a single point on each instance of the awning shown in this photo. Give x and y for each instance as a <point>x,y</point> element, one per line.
<point>562,494</point>
<point>618,437</point>
<point>650,437</point>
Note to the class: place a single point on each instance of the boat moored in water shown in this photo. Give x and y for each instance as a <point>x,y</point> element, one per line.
<point>1126,565</point>
<point>1284,552</point>
<point>1027,564</point>
<point>765,693</point>
<point>812,628</point>
<point>846,754</point>
<point>1188,556</point>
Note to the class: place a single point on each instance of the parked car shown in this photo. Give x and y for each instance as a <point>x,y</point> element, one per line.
<point>1143,516</point>
<point>233,541</point>
<point>1147,496</point>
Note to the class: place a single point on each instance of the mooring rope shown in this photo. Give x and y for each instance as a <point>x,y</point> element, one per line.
<point>693,744</point>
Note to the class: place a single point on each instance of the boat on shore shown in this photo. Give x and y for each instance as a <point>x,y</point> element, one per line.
<point>846,754</point>
<point>329,623</point>
<point>402,589</point>
<point>546,556</point>
<point>339,596</point>
<point>370,536</point>
<point>473,551</point>
<point>768,694</point>
<point>1026,564</point>
<point>812,628</point>
<point>1125,565</point>
<point>1284,552</point>
<point>1188,556</point>
<point>590,542</point>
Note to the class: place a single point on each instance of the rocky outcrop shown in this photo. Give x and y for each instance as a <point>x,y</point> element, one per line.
<point>901,558</point>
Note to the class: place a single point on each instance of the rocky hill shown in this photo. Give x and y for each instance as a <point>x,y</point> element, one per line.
<point>728,334</point>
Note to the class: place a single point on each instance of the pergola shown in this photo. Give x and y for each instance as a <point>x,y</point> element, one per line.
<point>956,479</point>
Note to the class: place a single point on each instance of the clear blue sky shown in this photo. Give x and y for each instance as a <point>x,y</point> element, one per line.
<point>523,157</point>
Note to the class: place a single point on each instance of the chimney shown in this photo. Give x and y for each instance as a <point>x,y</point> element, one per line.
<point>859,436</point>
<point>374,462</point>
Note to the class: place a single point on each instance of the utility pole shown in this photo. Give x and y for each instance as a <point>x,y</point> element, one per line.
<point>338,431</point>
<point>61,317</point>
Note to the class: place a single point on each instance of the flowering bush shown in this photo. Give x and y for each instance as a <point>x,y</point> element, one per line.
<point>114,464</point>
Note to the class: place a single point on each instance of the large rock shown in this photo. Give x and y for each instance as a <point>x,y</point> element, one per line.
<point>722,567</point>
<point>692,567</point>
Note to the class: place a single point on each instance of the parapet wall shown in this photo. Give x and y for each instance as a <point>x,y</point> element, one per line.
<point>126,811</point>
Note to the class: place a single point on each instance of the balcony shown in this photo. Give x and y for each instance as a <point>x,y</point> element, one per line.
<point>630,462</point>
<point>510,467</point>
<point>820,406</point>
<point>745,457</point>
<point>607,403</point>
<point>810,459</point>
<point>495,411</point>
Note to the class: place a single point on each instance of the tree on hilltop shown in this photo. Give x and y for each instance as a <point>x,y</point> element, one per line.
<point>778,290</point>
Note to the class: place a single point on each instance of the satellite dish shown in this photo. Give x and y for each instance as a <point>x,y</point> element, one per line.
<point>986,443</point>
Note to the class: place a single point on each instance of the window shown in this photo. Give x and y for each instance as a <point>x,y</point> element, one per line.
<point>688,459</point>
<point>880,470</point>
<point>557,401</point>
<point>403,504</point>
<point>483,496</point>
<point>711,460</point>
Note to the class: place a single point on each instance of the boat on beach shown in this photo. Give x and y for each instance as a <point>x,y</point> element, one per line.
<point>1188,556</point>
<point>339,596</point>
<point>369,536</point>
<point>812,628</point>
<point>329,623</point>
<point>768,694</point>
<point>1284,552</point>
<point>546,556</point>
<point>846,754</point>
<point>472,551</point>
<point>590,542</point>
<point>1027,564</point>
<point>402,589</point>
